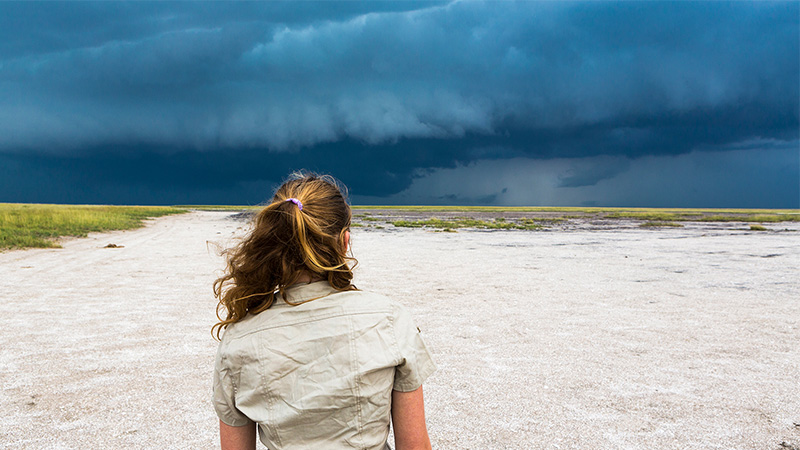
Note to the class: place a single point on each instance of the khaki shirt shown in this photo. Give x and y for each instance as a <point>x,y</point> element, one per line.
<point>319,374</point>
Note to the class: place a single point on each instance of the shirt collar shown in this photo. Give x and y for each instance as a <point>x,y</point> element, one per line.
<point>303,292</point>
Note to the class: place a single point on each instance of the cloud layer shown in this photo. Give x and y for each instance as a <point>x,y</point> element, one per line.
<point>216,94</point>
<point>185,78</point>
<point>742,178</point>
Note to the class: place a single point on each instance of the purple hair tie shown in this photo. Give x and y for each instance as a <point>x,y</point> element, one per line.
<point>296,202</point>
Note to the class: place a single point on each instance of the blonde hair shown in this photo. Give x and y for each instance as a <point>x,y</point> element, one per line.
<point>287,239</point>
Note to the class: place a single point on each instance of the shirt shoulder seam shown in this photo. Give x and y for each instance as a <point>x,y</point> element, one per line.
<point>310,320</point>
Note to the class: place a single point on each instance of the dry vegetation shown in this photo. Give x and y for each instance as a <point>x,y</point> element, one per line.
<point>451,218</point>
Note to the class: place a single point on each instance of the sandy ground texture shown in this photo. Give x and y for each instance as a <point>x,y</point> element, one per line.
<point>586,339</point>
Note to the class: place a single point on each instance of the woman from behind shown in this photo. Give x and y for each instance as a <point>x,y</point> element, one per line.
<point>306,360</point>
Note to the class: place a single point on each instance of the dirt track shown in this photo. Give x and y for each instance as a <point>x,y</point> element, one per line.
<point>620,338</point>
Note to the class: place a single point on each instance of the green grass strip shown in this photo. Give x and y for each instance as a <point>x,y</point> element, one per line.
<point>709,216</point>
<point>451,224</point>
<point>39,225</point>
<point>660,224</point>
<point>654,214</point>
<point>575,209</point>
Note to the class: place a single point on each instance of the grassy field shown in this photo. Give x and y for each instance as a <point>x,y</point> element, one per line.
<point>660,214</point>
<point>37,225</point>
<point>536,218</point>
<point>575,209</point>
<point>466,222</point>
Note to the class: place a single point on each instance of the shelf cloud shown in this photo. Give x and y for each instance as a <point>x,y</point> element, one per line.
<point>207,92</point>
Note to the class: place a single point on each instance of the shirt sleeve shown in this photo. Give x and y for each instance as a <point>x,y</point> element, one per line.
<point>225,393</point>
<point>416,363</point>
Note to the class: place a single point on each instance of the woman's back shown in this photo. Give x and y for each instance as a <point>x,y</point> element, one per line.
<point>319,373</point>
<point>314,365</point>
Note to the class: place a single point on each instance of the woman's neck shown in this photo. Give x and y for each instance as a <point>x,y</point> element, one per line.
<point>307,277</point>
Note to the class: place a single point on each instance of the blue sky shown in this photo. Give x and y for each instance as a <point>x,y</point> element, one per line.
<point>684,104</point>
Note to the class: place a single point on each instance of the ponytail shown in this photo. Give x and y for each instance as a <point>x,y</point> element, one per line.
<point>301,231</point>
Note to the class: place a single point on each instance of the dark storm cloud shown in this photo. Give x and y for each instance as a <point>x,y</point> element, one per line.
<point>30,28</point>
<point>367,170</point>
<point>268,75</point>
<point>215,94</point>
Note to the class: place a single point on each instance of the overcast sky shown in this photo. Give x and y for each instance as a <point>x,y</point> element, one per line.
<point>685,104</point>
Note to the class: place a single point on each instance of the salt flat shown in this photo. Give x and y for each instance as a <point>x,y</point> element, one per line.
<point>619,338</point>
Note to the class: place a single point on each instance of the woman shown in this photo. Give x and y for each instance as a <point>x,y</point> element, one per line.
<point>307,360</point>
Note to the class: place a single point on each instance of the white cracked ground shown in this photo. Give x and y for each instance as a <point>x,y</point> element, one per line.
<point>611,339</point>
